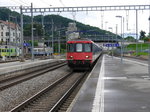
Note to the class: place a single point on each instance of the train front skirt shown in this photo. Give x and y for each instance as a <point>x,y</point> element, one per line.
<point>79,64</point>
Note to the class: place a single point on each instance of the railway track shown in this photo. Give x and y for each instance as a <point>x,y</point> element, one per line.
<point>6,83</point>
<point>7,61</point>
<point>52,96</point>
<point>63,105</point>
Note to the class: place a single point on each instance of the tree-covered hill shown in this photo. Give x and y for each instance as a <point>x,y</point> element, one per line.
<point>59,23</point>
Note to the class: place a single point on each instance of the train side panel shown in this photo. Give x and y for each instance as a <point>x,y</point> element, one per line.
<point>96,51</point>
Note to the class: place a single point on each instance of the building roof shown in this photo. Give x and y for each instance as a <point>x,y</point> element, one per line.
<point>12,25</point>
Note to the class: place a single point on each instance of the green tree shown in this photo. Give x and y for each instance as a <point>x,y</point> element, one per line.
<point>37,30</point>
<point>130,38</point>
<point>142,35</point>
<point>59,22</point>
<point>146,39</point>
<point>148,36</point>
<point>35,43</point>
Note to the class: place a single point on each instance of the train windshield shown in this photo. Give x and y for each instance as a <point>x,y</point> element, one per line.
<point>87,47</point>
<point>71,48</point>
<point>79,47</point>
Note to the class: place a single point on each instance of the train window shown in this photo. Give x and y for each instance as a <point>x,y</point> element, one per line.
<point>71,48</point>
<point>0,50</point>
<point>87,47</point>
<point>3,50</point>
<point>79,47</point>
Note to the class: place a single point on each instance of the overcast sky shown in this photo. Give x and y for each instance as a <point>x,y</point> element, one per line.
<point>100,19</point>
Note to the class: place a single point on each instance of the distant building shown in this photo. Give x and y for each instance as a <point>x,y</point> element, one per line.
<point>10,33</point>
<point>130,34</point>
<point>72,31</point>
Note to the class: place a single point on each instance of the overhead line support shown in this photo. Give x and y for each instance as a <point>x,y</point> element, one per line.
<point>88,8</point>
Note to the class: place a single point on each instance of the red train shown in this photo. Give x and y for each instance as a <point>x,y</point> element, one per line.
<point>81,53</point>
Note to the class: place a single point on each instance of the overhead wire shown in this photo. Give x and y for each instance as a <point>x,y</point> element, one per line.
<point>62,3</point>
<point>24,2</point>
<point>16,2</point>
<point>45,2</point>
<point>73,12</point>
<point>19,2</point>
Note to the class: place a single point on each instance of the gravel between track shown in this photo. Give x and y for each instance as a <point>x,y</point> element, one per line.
<point>18,93</point>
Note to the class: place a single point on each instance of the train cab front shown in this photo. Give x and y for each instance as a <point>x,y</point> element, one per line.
<point>79,54</point>
<point>79,60</point>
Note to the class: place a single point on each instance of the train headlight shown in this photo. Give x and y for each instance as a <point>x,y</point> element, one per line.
<point>71,57</point>
<point>87,56</point>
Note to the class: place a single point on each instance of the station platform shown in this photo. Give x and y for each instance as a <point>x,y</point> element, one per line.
<point>16,66</point>
<point>113,86</point>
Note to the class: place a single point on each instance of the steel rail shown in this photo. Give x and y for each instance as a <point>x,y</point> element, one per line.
<point>40,93</point>
<point>29,76</point>
<point>67,94</point>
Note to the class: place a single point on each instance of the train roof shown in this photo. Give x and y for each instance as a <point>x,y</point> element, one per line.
<point>80,40</point>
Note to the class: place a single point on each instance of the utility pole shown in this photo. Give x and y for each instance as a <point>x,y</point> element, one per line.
<point>149,48</point>
<point>106,25</point>
<point>16,36</point>
<point>15,23</point>
<point>22,40</point>
<point>52,37</point>
<point>102,19</point>
<point>9,35</point>
<point>32,33</point>
<point>136,32</point>
<point>59,44</point>
<point>42,20</point>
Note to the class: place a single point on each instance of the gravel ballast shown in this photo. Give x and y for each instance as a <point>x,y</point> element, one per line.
<point>12,96</point>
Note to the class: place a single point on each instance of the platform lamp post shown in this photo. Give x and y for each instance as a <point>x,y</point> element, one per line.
<point>121,39</point>
<point>149,48</point>
<point>111,40</point>
<point>116,32</point>
<point>110,29</point>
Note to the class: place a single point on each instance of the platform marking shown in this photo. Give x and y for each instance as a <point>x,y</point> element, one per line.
<point>108,78</point>
<point>133,61</point>
<point>8,66</point>
<point>78,94</point>
<point>98,104</point>
<point>145,76</point>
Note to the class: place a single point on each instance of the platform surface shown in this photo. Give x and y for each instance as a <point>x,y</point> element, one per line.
<point>14,66</point>
<point>115,87</point>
